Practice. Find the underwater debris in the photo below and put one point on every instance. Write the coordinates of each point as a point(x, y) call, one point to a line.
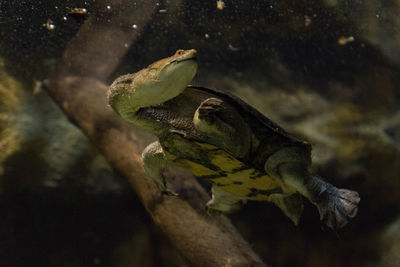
point(220, 5)
point(345, 40)
point(76, 10)
point(49, 25)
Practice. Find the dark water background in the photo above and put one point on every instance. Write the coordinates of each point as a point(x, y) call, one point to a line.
point(327, 71)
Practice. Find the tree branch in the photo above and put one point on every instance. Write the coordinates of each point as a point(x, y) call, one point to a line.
point(205, 240)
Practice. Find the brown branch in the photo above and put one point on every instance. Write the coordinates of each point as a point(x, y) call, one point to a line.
point(205, 240)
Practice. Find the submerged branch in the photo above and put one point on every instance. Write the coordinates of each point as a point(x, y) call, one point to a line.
point(77, 87)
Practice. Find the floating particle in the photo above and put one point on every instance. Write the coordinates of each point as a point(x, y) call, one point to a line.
point(220, 5)
point(134, 26)
point(307, 21)
point(207, 35)
point(65, 18)
point(108, 7)
point(162, 11)
point(49, 25)
point(77, 10)
point(232, 48)
point(126, 45)
point(345, 40)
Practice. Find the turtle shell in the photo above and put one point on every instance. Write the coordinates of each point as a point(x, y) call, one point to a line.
point(244, 177)
point(268, 136)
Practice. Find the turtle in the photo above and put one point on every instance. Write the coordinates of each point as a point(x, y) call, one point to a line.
point(219, 137)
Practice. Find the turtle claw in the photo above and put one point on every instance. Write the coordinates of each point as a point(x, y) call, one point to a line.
point(337, 206)
point(210, 210)
point(210, 206)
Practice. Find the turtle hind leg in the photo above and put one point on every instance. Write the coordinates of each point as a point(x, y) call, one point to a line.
point(155, 163)
point(223, 201)
point(336, 206)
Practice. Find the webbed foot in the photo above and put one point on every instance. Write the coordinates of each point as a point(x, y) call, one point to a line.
point(209, 108)
point(222, 125)
point(337, 206)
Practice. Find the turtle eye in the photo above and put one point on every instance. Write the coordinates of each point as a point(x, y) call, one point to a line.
point(179, 52)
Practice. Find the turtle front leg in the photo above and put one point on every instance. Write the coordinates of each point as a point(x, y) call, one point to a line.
point(155, 163)
point(224, 201)
point(336, 206)
point(222, 126)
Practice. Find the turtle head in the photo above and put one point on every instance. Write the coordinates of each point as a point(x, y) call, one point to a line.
point(159, 82)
